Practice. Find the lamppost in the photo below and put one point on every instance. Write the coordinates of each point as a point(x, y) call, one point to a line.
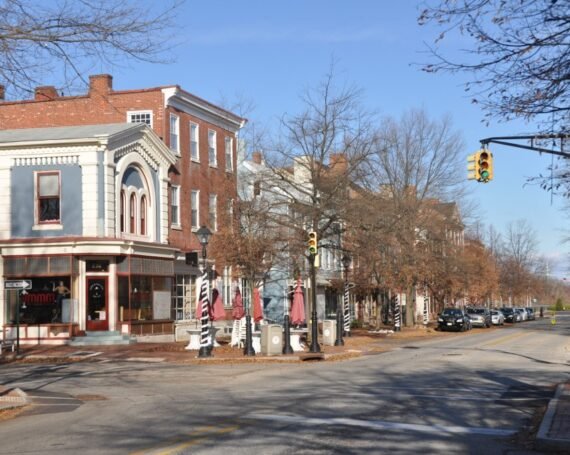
point(340, 306)
point(206, 344)
point(19, 306)
point(315, 347)
point(248, 348)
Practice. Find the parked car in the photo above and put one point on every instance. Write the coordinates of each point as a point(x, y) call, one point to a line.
point(453, 319)
point(480, 317)
point(497, 317)
point(531, 316)
point(511, 315)
point(524, 314)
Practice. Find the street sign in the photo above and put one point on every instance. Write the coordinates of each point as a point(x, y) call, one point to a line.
point(17, 284)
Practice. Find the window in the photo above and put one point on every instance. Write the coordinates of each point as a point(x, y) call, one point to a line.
point(213, 212)
point(195, 207)
point(183, 296)
point(140, 117)
point(174, 133)
point(227, 286)
point(132, 212)
point(229, 154)
point(194, 152)
point(212, 148)
point(48, 197)
point(257, 188)
point(122, 214)
point(175, 205)
point(143, 216)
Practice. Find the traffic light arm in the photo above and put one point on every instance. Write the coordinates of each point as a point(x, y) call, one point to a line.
point(503, 140)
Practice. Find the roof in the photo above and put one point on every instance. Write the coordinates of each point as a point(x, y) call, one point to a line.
point(66, 132)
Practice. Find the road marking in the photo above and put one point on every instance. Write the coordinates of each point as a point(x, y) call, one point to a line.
point(381, 425)
point(196, 437)
point(501, 340)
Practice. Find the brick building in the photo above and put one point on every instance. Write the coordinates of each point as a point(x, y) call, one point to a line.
point(202, 184)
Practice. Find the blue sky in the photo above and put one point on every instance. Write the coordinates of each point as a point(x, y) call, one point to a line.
point(269, 51)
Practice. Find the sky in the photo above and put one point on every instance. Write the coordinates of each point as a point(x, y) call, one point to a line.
point(270, 51)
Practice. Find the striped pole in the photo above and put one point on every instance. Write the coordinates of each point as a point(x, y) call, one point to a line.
point(205, 345)
point(346, 310)
point(426, 304)
point(397, 314)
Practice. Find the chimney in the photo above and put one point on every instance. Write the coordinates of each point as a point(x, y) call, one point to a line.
point(257, 157)
point(45, 93)
point(100, 84)
point(2, 92)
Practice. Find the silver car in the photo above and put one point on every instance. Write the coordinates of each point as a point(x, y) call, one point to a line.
point(497, 317)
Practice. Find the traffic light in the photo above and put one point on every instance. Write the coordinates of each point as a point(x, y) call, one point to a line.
point(473, 166)
point(312, 243)
point(485, 163)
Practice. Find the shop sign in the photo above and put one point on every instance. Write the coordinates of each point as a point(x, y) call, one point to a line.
point(17, 284)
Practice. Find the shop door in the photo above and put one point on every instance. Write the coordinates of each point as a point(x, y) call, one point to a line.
point(97, 311)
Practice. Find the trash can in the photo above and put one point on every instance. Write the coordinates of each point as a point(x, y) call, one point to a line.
point(271, 339)
point(329, 332)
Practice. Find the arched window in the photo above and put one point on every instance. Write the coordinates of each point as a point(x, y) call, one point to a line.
point(143, 216)
point(132, 210)
point(122, 213)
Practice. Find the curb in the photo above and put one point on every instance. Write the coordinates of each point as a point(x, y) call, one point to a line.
point(543, 441)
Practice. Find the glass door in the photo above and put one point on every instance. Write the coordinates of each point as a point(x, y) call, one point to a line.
point(97, 311)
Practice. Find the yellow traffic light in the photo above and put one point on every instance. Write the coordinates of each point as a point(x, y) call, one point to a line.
point(473, 166)
point(312, 243)
point(485, 163)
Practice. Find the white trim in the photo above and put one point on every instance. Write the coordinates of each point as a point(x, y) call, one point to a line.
point(177, 132)
point(230, 140)
point(177, 224)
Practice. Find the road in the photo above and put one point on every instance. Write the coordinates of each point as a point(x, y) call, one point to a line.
point(477, 392)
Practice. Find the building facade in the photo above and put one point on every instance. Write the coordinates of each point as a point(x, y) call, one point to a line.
point(84, 224)
point(201, 182)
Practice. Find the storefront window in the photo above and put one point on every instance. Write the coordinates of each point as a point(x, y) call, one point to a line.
point(47, 302)
point(184, 297)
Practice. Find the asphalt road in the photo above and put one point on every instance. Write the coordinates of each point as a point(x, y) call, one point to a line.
point(478, 392)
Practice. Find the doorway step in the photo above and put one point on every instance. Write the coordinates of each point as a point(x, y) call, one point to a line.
point(102, 338)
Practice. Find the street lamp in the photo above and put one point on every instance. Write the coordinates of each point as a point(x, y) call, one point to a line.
point(19, 305)
point(206, 346)
point(339, 306)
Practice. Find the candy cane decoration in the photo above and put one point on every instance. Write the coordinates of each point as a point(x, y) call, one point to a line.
point(346, 309)
point(426, 303)
point(397, 314)
point(205, 318)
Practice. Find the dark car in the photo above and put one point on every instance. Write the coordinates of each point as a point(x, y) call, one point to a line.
point(453, 319)
point(480, 317)
point(511, 315)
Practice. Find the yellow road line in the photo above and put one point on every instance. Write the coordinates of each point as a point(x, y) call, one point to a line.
point(196, 437)
point(505, 338)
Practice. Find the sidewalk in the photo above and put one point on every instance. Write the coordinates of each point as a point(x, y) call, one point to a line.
point(362, 342)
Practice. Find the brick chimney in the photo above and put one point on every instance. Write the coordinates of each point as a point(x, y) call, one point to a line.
point(257, 157)
point(45, 93)
point(100, 84)
point(2, 92)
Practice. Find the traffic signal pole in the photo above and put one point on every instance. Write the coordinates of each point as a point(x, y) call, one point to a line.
point(314, 348)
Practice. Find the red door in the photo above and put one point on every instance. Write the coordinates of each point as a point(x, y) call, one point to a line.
point(97, 311)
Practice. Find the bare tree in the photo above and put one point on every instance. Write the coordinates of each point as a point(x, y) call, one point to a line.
point(69, 36)
point(416, 166)
point(519, 57)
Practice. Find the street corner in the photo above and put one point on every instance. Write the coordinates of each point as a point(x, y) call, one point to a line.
point(554, 431)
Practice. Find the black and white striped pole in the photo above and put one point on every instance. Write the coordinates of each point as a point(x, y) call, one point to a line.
point(206, 344)
point(397, 314)
point(346, 300)
point(339, 310)
point(426, 304)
